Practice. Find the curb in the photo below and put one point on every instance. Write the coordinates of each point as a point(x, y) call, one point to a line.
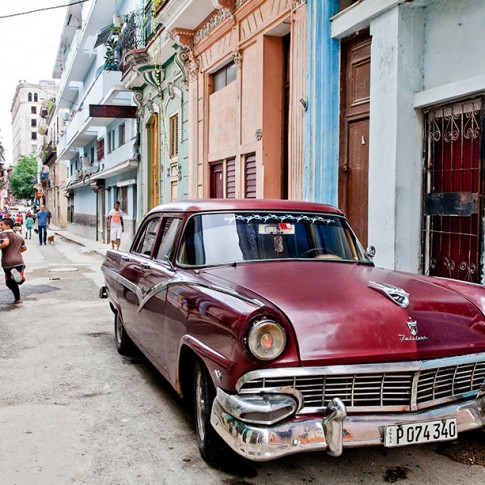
point(61, 233)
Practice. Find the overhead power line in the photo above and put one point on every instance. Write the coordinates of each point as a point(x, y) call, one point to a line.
point(42, 9)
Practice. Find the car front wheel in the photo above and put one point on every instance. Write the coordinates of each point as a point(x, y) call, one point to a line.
point(212, 448)
point(123, 342)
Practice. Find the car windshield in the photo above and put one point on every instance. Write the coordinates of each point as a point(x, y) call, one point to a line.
point(222, 238)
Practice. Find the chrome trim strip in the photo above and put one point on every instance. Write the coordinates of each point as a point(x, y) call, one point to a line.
point(111, 273)
point(158, 288)
point(143, 300)
point(235, 294)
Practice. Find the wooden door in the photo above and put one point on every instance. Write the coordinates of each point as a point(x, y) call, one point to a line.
point(354, 133)
point(216, 181)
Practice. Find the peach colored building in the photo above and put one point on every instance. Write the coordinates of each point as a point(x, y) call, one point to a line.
point(245, 68)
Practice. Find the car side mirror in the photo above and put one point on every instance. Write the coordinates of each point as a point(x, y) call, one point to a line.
point(371, 251)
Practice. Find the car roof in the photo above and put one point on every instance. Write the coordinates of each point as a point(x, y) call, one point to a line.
point(216, 205)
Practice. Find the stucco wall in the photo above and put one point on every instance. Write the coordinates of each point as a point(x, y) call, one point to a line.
point(395, 139)
point(84, 213)
point(223, 122)
point(251, 92)
point(454, 41)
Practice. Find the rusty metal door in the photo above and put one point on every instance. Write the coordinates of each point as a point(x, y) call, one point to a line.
point(453, 188)
point(354, 128)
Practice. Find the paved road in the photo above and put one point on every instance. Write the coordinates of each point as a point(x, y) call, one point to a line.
point(73, 411)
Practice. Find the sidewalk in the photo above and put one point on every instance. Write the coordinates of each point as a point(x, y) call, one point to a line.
point(89, 244)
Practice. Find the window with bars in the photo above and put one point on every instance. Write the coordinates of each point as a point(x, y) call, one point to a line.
point(174, 135)
point(453, 184)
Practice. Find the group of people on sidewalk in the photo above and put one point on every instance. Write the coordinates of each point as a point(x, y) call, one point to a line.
point(13, 245)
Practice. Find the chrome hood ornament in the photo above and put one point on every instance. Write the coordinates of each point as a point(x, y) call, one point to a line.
point(397, 295)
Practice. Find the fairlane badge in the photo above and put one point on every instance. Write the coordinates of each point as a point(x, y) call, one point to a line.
point(413, 330)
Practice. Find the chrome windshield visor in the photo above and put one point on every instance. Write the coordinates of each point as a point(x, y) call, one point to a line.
point(265, 409)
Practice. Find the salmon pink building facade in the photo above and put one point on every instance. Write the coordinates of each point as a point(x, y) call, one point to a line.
point(244, 53)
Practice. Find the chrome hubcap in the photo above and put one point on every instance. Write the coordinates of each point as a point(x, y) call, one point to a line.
point(119, 330)
point(200, 405)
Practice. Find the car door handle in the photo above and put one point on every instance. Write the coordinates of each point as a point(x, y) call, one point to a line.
point(125, 258)
point(145, 265)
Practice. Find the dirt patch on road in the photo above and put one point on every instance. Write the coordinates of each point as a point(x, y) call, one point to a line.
point(470, 449)
point(395, 473)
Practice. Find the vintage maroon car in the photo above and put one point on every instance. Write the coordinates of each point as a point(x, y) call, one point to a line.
point(274, 321)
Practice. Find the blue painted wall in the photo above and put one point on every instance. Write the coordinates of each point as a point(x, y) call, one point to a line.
point(322, 122)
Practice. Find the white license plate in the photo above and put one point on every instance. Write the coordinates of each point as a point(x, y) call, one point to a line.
point(424, 432)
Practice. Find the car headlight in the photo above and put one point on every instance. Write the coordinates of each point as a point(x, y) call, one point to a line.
point(266, 340)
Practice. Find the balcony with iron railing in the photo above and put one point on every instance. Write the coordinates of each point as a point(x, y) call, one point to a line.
point(49, 152)
point(136, 33)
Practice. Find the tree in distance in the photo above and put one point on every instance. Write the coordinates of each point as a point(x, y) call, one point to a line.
point(24, 177)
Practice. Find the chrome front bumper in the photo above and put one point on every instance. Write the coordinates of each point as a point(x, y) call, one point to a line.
point(333, 431)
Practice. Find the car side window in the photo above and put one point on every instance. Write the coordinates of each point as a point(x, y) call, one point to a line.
point(148, 237)
point(169, 235)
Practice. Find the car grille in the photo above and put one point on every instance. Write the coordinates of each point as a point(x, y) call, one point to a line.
point(377, 391)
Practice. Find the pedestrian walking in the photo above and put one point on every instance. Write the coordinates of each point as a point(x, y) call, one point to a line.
point(43, 221)
point(12, 246)
point(29, 224)
point(116, 225)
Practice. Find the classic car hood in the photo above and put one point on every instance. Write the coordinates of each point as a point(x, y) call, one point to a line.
point(338, 318)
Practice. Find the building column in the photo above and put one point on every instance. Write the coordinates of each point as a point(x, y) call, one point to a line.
point(395, 151)
point(322, 104)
